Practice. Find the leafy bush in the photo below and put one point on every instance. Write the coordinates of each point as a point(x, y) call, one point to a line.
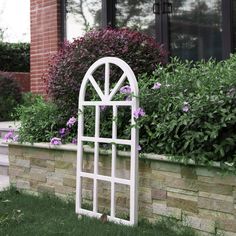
point(39, 121)
point(28, 99)
point(68, 67)
point(10, 97)
point(191, 110)
point(15, 57)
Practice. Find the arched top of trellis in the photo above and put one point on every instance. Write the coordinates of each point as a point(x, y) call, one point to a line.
point(107, 95)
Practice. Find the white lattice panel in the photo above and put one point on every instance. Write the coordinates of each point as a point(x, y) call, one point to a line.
point(106, 100)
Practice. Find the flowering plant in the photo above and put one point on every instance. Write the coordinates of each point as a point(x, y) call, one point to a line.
point(66, 134)
point(11, 136)
point(190, 110)
point(55, 141)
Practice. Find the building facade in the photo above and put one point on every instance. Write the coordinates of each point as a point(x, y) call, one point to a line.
point(189, 29)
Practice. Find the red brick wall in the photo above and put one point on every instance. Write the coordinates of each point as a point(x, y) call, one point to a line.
point(45, 38)
point(23, 79)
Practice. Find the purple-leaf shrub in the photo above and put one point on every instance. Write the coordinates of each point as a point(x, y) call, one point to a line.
point(68, 67)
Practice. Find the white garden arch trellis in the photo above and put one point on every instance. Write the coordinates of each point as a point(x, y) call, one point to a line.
point(106, 100)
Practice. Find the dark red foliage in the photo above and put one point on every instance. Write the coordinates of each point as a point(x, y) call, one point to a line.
point(68, 67)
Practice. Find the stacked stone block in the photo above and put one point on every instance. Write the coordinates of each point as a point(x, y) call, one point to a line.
point(204, 199)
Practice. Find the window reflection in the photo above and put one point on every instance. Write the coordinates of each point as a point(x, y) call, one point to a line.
point(195, 29)
point(136, 14)
point(82, 16)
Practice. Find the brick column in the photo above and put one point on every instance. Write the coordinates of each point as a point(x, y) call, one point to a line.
point(45, 26)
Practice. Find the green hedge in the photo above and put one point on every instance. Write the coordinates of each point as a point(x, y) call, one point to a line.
point(15, 57)
point(193, 113)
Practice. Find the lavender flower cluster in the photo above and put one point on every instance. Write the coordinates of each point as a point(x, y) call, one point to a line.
point(10, 136)
point(63, 132)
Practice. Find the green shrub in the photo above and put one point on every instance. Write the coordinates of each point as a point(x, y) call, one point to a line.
point(10, 97)
point(28, 99)
point(193, 113)
point(15, 57)
point(190, 111)
point(39, 121)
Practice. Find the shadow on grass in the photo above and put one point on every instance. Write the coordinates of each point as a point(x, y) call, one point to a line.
point(23, 214)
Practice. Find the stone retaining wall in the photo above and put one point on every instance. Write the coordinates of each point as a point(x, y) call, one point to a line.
point(201, 198)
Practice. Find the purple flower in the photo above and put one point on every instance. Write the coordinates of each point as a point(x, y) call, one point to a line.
point(185, 107)
point(62, 131)
point(71, 122)
point(8, 136)
point(15, 138)
point(74, 141)
point(139, 113)
point(125, 90)
point(156, 85)
point(128, 98)
point(103, 108)
point(139, 148)
point(55, 141)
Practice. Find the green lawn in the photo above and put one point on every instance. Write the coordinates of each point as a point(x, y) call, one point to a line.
point(22, 214)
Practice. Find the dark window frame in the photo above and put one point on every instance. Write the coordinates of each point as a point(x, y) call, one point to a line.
point(63, 19)
point(227, 25)
point(108, 13)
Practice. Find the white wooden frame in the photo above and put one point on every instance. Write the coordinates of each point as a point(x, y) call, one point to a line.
point(106, 100)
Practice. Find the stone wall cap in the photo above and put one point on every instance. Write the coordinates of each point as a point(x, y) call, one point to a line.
point(9, 125)
point(89, 149)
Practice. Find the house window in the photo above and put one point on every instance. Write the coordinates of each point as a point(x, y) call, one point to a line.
point(15, 21)
point(136, 14)
point(196, 29)
point(82, 16)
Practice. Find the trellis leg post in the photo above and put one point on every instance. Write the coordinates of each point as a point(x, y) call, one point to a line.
point(134, 165)
point(79, 157)
point(113, 166)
